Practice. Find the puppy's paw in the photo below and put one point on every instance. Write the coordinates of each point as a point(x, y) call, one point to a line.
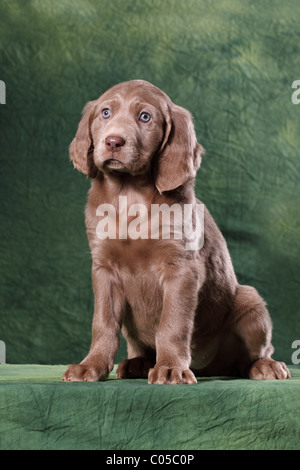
point(268, 369)
point(137, 367)
point(84, 372)
point(170, 375)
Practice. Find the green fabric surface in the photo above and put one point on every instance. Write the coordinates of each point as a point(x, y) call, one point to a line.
point(231, 63)
point(38, 411)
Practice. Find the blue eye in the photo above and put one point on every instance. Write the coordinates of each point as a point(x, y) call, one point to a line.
point(144, 117)
point(106, 113)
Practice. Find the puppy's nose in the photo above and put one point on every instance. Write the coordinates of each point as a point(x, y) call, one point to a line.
point(114, 143)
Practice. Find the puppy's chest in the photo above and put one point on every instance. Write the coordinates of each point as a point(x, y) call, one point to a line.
point(143, 294)
point(139, 273)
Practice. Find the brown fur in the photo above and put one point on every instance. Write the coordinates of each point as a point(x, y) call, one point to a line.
point(181, 311)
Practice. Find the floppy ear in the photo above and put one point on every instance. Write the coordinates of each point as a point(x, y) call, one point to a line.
point(180, 155)
point(82, 148)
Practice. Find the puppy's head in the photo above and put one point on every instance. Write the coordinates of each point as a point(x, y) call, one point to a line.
point(135, 128)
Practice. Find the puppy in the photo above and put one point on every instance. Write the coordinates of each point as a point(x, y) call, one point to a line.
point(180, 308)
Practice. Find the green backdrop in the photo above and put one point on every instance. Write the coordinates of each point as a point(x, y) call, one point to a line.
point(231, 63)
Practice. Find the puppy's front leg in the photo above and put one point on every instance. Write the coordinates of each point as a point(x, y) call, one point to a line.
point(173, 336)
point(105, 332)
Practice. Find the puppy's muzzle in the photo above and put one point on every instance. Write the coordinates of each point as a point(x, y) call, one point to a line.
point(114, 143)
point(114, 164)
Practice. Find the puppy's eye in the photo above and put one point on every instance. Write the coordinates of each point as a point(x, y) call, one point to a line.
point(144, 117)
point(105, 113)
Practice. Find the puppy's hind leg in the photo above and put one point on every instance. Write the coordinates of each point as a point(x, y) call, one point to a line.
point(135, 368)
point(140, 360)
point(252, 324)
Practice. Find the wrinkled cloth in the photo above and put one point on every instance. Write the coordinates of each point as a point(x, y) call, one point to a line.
point(38, 411)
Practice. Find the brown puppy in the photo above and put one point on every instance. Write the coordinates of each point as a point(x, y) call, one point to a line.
point(180, 309)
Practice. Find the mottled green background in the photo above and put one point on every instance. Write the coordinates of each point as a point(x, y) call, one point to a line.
point(231, 63)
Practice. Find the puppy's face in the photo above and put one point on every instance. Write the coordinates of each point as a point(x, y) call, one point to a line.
point(135, 128)
point(127, 130)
